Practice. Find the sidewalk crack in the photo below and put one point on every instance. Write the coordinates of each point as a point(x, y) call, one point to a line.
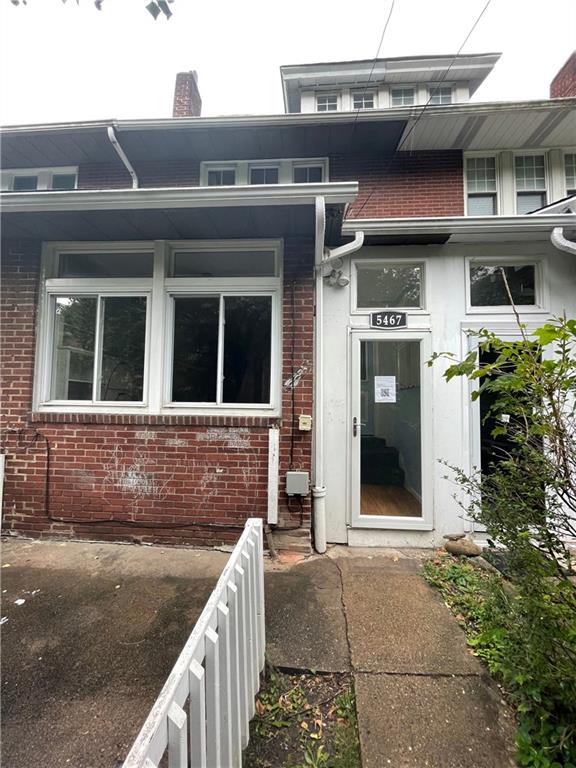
point(343, 603)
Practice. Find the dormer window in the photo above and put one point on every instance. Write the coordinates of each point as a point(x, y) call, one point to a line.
point(221, 177)
point(440, 95)
point(39, 179)
point(402, 97)
point(264, 175)
point(327, 102)
point(364, 100)
point(570, 169)
point(308, 174)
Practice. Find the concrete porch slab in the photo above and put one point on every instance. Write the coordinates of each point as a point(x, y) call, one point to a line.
point(409, 721)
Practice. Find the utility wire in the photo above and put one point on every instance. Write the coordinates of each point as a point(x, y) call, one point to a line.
point(425, 107)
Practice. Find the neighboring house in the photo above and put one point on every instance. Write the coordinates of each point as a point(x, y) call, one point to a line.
point(196, 309)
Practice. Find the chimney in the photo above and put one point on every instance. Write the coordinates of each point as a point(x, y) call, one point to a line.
point(564, 84)
point(187, 101)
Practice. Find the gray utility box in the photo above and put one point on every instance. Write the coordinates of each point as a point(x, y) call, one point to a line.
point(297, 483)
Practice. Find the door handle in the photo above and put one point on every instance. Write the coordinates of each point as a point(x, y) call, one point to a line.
point(356, 424)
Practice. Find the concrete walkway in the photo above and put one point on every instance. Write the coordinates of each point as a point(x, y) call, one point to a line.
point(423, 700)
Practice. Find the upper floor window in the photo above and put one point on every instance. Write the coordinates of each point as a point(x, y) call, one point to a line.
point(39, 179)
point(221, 177)
point(273, 171)
point(212, 341)
point(364, 100)
point(264, 175)
point(308, 174)
point(441, 94)
point(402, 97)
point(530, 176)
point(327, 102)
point(570, 170)
point(481, 186)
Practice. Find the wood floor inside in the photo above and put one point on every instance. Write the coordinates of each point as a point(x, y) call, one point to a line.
point(388, 501)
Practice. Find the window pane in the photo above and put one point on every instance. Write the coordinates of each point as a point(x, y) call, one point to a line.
point(327, 103)
point(488, 289)
point(527, 202)
point(530, 173)
point(441, 95)
point(308, 174)
point(105, 265)
point(481, 205)
point(363, 100)
point(481, 174)
point(63, 181)
point(225, 177)
point(123, 341)
point(247, 349)
point(224, 264)
point(389, 286)
point(264, 176)
point(402, 97)
point(195, 349)
point(25, 183)
point(570, 164)
point(73, 356)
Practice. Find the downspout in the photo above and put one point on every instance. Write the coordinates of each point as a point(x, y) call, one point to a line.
point(122, 155)
point(562, 243)
point(322, 256)
point(319, 489)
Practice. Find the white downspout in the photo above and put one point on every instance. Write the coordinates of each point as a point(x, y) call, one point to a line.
point(322, 256)
point(319, 489)
point(562, 243)
point(122, 155)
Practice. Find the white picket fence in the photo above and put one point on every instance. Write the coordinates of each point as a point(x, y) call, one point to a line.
point(202, 714)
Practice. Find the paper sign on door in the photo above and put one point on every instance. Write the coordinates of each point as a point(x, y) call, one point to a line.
point(384, 389)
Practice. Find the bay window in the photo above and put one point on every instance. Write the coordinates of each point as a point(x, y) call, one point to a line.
point(160, 328)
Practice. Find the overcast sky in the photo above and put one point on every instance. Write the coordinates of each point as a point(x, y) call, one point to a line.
point(68, 63)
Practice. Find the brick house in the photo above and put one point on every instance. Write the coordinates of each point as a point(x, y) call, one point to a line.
point(205, 319)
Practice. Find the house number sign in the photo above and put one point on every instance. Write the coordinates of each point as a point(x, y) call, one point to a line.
point(387, 320)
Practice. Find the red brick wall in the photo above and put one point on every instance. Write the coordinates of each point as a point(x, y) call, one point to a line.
point(174, 173)
point(156, 470)
point(564, 84)
point(410, 184)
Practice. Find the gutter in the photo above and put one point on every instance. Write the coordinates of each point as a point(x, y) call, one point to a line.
point(335, 193)
point(322, 256)
point(122, 155)
point(458, 224)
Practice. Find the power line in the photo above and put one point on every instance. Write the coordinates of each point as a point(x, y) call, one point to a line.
point(424, 108)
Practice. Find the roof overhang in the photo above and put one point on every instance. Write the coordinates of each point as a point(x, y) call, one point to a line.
point(174, 213)
point(437, 231)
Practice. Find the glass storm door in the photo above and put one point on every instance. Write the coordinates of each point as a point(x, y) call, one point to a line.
point(387, 432)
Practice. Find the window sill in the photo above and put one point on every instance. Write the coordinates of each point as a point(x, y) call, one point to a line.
point(145, 419)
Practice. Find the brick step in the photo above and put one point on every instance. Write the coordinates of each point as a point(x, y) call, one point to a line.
point(297, 540)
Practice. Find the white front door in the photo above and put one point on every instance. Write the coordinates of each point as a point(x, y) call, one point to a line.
point(390, 430)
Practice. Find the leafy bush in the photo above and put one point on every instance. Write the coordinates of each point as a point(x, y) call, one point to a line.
point(527, 502)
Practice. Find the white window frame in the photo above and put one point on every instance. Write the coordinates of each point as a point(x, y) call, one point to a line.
point(532, 153)
point(159, 291)
point(467, 193)
point(264, 165)
point(243, 167)
point(434, 88)
point(388, 262)
point(221, 167)
point(569, 151)
point(542, 293)
point(401, 87)
point(44, 176)
point(363, 93)
point(327, 94)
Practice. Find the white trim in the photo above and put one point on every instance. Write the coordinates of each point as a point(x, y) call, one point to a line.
point(426, 522)
point(178, 197)
point(158, 291)
point(448, 225)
